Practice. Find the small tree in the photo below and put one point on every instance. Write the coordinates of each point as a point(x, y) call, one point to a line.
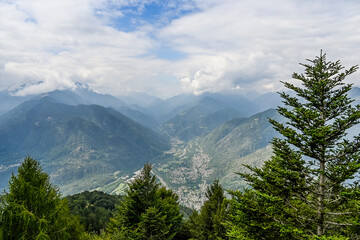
point(33, 208)
point(306, 188)
point(208, 223)
point(148, 210)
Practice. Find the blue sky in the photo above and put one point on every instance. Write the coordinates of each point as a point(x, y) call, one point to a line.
point(171, 47)
point(158, 13)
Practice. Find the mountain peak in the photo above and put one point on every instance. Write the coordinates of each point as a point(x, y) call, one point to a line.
point(18, 90)
point(83, 86)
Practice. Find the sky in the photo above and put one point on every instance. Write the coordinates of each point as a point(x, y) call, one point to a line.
point(169, 47)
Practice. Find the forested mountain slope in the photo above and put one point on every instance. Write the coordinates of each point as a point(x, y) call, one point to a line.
point(190, 166)
point(76, 143)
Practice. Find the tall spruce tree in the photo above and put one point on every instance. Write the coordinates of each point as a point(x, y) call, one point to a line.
point(306, 188)
point(33, 209)
point(208, 223)
point(148, 211)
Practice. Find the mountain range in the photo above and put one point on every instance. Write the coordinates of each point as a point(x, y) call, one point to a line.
point(75, 143)
point(91, 141)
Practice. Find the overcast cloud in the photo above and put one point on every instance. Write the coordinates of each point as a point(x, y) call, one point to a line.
point(169, 47)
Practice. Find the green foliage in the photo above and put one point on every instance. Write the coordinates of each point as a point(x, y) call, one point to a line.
point(94, 236)
point(330, 238)
point(33, 209)
point(305, 189)
point(185, 211)
point(148, 211)
point(208, 223)
point(94, 209)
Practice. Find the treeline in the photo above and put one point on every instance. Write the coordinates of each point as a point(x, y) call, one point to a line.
point(33, 209)
point(306, 190)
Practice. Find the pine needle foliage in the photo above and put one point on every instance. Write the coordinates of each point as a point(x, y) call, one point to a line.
point(307, 189)
point(208, 223)
point(33, 208)
point(148, 210)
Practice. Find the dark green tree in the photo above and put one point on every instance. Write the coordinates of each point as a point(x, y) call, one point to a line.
point(263, 212)
point(208, 223)
point(94, 208)
point(33, 209)
point(306, 188)
point(148, 211)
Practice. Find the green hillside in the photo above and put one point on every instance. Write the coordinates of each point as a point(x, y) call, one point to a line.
point(82, 147)
point(190, 167)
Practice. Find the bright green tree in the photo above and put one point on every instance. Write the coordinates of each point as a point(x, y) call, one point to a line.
point(306, 188)
point(33, 209)
point(208, 223)
point(148, 211)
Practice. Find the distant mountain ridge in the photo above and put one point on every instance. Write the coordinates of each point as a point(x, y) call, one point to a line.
point(87, 141)
point(199, 119)
point(76, 142)
point(82, 94)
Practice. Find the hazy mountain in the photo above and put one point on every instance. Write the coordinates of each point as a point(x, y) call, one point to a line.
point(142, 99)
point(140, 117)
point(272, 99)
point(193, 116)
point(12, 97)
point(200, 119)
point(267, 101)
point(236, 101)
point(68, 97)
point(82, 94)
point(91, 97)
point(169, 108)
point(9, 101)
point(76, 143)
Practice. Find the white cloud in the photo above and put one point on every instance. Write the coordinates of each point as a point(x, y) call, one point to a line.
point(54, 41)
point(266, 40)
point(230, 44)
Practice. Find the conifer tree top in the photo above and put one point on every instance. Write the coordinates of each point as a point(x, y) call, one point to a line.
point(305, 188)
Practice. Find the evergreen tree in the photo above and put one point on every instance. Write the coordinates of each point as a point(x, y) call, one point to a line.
point(305, 189)
point(33, 209)
point(94, 209)
point(208, 224)
point(148, 211)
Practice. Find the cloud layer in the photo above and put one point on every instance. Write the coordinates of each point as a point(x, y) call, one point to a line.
point(169, 47)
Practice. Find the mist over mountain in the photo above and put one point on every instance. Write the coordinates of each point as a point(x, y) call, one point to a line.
point(8, 101)
point(82, 94)
point(141, 99)
point(207, 114)
point(144, 119)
